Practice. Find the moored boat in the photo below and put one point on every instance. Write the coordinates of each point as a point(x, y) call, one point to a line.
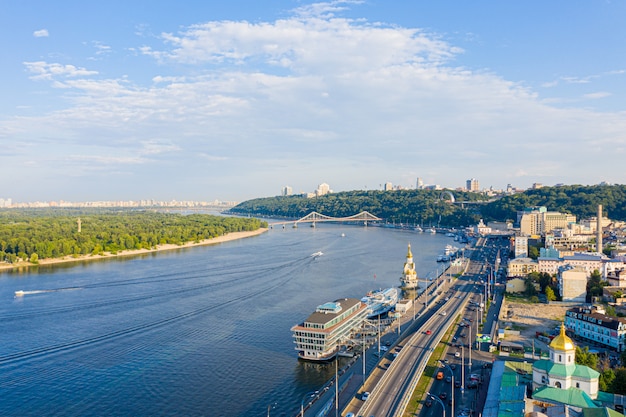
point(380, 302)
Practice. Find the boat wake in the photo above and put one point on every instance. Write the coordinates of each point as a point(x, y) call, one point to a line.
point(22, 293)
point(316, 254)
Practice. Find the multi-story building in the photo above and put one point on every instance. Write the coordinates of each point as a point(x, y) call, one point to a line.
point(521, 246)
point(286, 190)
point(420, 184)
point(591, 324)
point(332, 324)
point(520, 267)
point(539, 221)
point(388, 186)
point(586, 261)
point(472, 185)
point(572, 283)
point(322, 189)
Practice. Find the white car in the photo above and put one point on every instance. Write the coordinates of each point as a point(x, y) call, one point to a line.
point(365, 395)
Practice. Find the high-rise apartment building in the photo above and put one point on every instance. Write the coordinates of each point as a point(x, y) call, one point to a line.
point(388, 186)
point(286, 190)
point(420, 184)
point(472, 185)
point(322, 189)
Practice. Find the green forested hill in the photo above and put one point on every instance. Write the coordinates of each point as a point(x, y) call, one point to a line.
point(53, 234)
point(424, 207)
point(576, 199)
point(429, 207)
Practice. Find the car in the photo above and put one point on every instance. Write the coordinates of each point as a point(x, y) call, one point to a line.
point(457, 355)
point(428, 332)
point(457, 384)
point(428, 402)
point(453, 367)
point(443, 395)
point(350, 415)
point(440, 375)
point(443, 313)
point(448, 379)
point(365, 395)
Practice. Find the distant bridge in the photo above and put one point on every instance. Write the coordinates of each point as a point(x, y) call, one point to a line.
point(315, 217)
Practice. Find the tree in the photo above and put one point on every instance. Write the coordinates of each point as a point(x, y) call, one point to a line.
point(618, 386)
point(606, 380)
point(34, 258)
point(530, 290)
point(550, 294)
point(584, 357)
point(533, 252)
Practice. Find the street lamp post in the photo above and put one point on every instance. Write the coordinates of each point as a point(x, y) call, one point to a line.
point(439, 401)
point(462, 368)
point(308, 395)
point(451, 386)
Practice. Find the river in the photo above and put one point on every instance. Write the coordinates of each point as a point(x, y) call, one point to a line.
point(203, 331)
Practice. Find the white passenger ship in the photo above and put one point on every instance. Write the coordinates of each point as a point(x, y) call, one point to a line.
point(332, 324)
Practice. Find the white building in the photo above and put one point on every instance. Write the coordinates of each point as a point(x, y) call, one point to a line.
point(322, 189)
point(286, 190)
point(521, 246)
point(572, 283)
point(592, 325)
point(561, 370)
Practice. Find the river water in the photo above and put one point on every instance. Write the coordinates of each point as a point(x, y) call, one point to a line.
point(203, 331)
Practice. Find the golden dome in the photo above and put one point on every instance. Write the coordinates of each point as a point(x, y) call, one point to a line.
point(562, 341)
point(409, 254)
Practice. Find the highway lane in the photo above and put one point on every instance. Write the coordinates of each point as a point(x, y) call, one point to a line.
point(395, 387)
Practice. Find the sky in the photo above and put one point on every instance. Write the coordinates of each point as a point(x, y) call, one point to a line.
point(233, 100)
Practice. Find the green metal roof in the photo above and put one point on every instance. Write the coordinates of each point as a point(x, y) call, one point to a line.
point(566, 370)
point(570, 396)
point(601, 412)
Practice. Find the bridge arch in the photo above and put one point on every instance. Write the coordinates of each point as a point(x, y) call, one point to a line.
point(445, 194)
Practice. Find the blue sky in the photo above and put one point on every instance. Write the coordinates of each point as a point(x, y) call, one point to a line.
point(204, 100)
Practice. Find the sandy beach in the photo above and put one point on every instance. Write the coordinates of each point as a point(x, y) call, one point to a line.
point(221, 239)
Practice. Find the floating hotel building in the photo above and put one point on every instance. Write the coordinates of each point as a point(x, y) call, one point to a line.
point(332, 324)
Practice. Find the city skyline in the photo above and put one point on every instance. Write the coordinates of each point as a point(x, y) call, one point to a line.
point(107, 102)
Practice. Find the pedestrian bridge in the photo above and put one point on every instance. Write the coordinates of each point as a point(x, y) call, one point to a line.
point(315, 217)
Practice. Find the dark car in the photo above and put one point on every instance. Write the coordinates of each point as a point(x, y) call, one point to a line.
point(457, 384)
point(428, 402)
point(443, 395)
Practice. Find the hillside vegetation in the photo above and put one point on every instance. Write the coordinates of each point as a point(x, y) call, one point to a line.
point(423, 207)
point(433, 208)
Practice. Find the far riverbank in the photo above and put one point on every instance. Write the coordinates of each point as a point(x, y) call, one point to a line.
point(159, 248)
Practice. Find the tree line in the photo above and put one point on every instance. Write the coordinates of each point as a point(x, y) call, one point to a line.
point(30, 236)
point(416, 207)
point(433, 207)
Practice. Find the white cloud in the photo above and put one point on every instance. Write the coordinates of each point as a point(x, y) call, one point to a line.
point(42, 33)
point(305, 99)
point(45, 71)
point(597, 95)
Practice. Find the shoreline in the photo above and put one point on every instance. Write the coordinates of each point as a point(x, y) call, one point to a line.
point(160, 248)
